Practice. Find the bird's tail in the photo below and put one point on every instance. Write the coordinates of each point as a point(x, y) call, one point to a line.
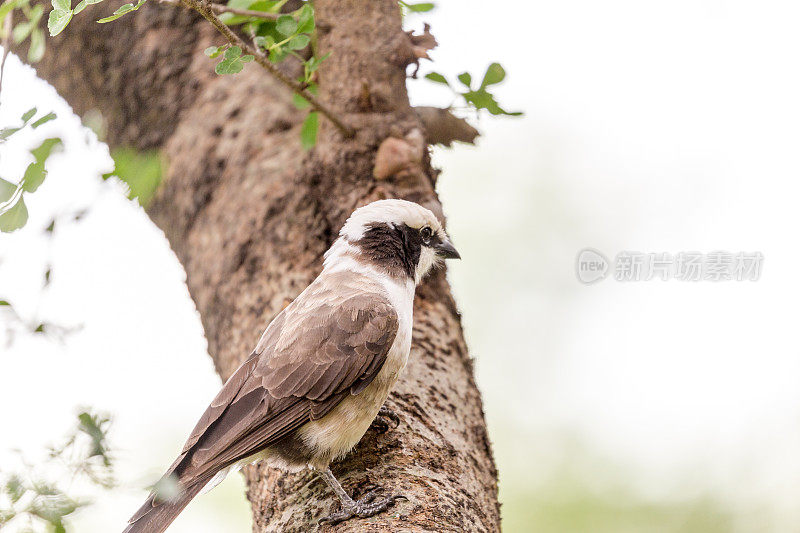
point(156, 516)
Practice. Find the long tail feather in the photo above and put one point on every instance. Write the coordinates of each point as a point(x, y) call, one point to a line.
point(155, 517)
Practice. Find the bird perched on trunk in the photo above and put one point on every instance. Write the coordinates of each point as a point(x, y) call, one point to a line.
point(323, 368)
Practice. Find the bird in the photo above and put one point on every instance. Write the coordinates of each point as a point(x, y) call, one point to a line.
point(322, 369)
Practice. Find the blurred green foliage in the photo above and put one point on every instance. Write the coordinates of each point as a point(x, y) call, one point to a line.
point(141, 172)
point(31, 501)
point(13, 211)
point(477, 97)
point(568, 505)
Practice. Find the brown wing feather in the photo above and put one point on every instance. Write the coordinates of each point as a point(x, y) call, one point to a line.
point(331, 341)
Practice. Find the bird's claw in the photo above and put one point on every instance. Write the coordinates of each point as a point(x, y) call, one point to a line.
point(382, 421)
point(365, 507)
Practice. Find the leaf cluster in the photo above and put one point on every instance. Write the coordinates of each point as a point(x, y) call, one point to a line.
point(478, 97)
point(63, 11)
point(26, 28)
point(277, 35)
point(13, 211)
point(287, 35)
point(31, 498)
point(232, 59)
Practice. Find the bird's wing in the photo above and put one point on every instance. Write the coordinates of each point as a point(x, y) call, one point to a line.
point(330, 342)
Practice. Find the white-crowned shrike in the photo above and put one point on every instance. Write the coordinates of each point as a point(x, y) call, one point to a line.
point(323, 368)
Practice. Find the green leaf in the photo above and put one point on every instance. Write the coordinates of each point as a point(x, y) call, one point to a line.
point(306, 19)
point(438, 78)
point(4, 303)
point(7, 190)
point(140, 171)
point(419, 8)
point(127, 8)
point(61, 5)
point(51, 227)
point(264, 41)
point(58, 20)
point(36, 172)
point(494, 74)
point(308, 133)
point(253, 5)
point(299, 42)
point(465, 78)
point(34, 176)
point(21, 31)
point(5, 133)
point(302, 103)
point(35, 14)
point(43, 151)
point(15, 217)
point(312, 64)
point(286, 25)
point(47, 118)
point(214, 51)
point(36, 49)
point(7, 7)
point(483, 100)
point(83, 4)
point(232, 62)
point(277, 54)
point(27, 115)
point(315, 62)
point(232, 19)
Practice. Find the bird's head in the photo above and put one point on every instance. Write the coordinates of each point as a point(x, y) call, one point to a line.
point(400, 237)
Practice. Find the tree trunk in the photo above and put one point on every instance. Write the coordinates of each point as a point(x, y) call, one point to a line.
point(249, 214)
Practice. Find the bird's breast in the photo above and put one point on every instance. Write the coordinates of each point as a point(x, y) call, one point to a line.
point(335, 434)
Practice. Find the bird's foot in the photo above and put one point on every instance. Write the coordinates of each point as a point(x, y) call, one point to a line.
point(364, 507)
point(386, 418)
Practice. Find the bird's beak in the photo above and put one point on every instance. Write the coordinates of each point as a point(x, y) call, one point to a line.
point(446, 250)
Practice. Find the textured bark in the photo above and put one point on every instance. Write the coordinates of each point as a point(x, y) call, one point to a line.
point(249, 214)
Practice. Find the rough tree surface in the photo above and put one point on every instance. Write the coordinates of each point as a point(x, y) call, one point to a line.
point(249, 214)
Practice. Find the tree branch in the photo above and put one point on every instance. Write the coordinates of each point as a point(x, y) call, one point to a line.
point(207, 11)
point(442, 127)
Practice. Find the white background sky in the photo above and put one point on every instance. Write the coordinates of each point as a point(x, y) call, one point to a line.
point(649, 126)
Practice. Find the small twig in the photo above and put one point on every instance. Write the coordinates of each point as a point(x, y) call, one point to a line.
point(207, 11)
point(6, 44)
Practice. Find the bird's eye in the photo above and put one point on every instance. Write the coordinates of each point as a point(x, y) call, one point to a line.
point(426, 233)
